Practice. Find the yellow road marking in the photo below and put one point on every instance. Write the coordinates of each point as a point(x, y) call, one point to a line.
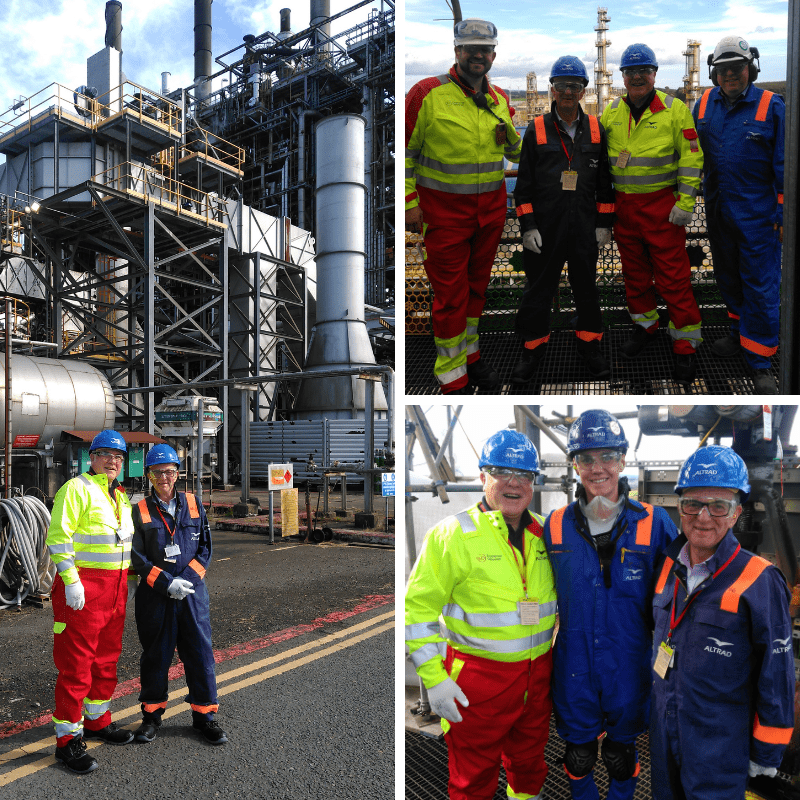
point(134, 711)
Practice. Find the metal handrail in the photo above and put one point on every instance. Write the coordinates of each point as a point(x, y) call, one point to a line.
point(220, 149)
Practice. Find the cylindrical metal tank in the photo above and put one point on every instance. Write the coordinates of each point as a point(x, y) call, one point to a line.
point(340, 334)
point(114, 24)
point(49, 396)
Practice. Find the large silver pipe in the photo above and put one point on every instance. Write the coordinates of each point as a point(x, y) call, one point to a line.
point(202, 45)
point(114, 24)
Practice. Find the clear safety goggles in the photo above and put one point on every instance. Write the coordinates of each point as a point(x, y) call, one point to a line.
point(605, 459)
point(109, 454)
point(716, 508)
point(477, 28)
point(632, 72)
point(507, 473)
point(560, 86)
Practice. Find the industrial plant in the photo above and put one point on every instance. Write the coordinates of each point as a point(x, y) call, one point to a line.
point(178, 262)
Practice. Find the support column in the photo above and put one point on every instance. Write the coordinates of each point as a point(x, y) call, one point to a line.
point(148, 326)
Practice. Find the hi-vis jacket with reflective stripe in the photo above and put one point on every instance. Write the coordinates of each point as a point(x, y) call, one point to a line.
point(454, 165)
point(83, 527)
point(663, 145)
point(467, 573)
point(604, 604)
point(730, 692)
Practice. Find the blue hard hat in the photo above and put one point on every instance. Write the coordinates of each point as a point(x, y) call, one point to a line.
point(108, 438)
point(509, 449)
point(638, 55)
point(569, 67)
point(714, 466)
point(594, 430)
point(161, 454)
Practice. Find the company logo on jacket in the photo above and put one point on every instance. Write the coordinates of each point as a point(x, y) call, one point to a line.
point(784, 648)
point(488, 557)
point(718, 649)
point(632, 574)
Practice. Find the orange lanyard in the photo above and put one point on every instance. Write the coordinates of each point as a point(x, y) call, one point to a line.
point(563, 146)
point(166, 524)
point(524, 570)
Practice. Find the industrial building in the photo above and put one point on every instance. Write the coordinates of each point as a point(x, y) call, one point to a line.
point(183, 260)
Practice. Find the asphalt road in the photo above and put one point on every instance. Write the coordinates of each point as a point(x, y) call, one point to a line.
point(305, 669)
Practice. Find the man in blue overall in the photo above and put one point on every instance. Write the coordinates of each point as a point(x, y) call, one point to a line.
point(603, 549)
point(723, 667)
point(171, 551)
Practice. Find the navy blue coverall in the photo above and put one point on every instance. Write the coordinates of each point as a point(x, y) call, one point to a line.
point(729, 697)
point(164, 623)
point(601, 666)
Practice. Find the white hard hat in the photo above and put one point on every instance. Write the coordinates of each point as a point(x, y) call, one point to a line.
point(731, 48)
point(474, 31)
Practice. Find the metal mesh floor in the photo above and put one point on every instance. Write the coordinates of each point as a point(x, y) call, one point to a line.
point(562, 371)
point(426, 769)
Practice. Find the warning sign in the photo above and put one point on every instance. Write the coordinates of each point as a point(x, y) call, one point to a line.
point(280, 477)
point(26, 440)
point(289, 521)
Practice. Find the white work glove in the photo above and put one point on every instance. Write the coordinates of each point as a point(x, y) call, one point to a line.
point(603, 236)
point(179, 588)
point(132, 586)
point(532, 240)
point(76, 598)
point(679, 217)
point(756, 769)
point(443, 698)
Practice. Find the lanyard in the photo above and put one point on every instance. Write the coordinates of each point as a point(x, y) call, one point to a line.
point(673, 623)
point(524, 569)
point(166, 524)
point(563, 146)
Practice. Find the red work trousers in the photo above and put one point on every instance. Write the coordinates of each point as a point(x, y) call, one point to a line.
point(654, 258)
point(458, 264)
point(508, 719)
point(87, 649)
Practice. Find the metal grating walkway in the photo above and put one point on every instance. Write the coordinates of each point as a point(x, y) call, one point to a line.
point(562, 372)
point(426, 769)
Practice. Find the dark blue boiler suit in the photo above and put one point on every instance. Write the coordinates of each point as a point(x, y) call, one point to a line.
point(164, 623)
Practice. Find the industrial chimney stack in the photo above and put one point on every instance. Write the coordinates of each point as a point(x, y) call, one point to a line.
point(114, 24)
point(202, 46)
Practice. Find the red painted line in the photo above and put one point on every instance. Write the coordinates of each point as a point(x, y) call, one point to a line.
point(369, 602)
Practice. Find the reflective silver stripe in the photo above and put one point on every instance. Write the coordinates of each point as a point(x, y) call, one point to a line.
point(67, 728)
point(95, 710)
point(503, 645)
point(460, 169)
point(684, 188)
point(466, 522)
point(689, 172)
point(427, 653)
point(644, 180)
point(459, 188)
point(412, 153)
point(503, 620)
point(105, 558)
point(410, 172)
point(83, 478)
point(421, 630)
point(472, 330)
point(472, 347)
point(99, 538)
point(615, 104)
point(642, 161)
point(63, 566)
point(678, 334)
point(452, 352)
point(454, 374)
point(66, 547)
point(668, 101)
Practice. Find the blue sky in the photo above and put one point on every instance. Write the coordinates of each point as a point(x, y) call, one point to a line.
point(533, 34)
point(46, 42)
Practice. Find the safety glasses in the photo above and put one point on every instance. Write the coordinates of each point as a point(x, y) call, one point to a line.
point(163, 473)
point(632, 72)
point(107, 454)
point(507, 473)
point(606, 459)
point(716, 508)
point(568, 87)
point(474, 49)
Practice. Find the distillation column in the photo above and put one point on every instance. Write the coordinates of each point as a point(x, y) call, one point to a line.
point(602, 75)
point(691, 80)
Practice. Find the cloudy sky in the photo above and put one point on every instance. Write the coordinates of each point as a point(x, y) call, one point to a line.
point(533, 34)
point(47, 42)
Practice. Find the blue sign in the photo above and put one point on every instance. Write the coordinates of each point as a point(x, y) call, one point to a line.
point(387, 484)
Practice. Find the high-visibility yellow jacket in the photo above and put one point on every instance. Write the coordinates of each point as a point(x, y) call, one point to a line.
point(665, 151)
point(467, 572)
point(454, 165)
point(84, 524)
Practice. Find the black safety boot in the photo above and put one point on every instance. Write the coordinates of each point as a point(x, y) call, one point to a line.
point(111, 734)
point(75, 758)
point(481, 374)
point(209, 729)
point(685, 368)
point(527, 365)
point(638, 341)
point(763, 382)
point(594, 359)
point(726, 347)
point(148, 730)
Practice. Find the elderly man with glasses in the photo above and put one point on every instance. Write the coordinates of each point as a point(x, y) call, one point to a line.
point(89, 541)
point(723, 666)
point(171, 552)
point(603, 549)
point(487, 668)
point(656, 163)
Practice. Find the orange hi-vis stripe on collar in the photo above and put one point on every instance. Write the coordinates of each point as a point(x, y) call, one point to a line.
point(556, 518)
point(594, 128)
point(662, 578)
point(191, 503)
point(754, 567)
point(771, 735)
point(144, 511)
point(763, 106)
point(644, 527)
point(541, 133)
point(703, 104)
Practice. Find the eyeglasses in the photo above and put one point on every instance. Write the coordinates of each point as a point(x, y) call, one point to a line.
point(506, 474)
point(588, 460)
point(631, 72)
point(474, 49)
point(109, 455)
point(163, 473)
point(568, 87)
point(735, 68)
point(716, 508)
